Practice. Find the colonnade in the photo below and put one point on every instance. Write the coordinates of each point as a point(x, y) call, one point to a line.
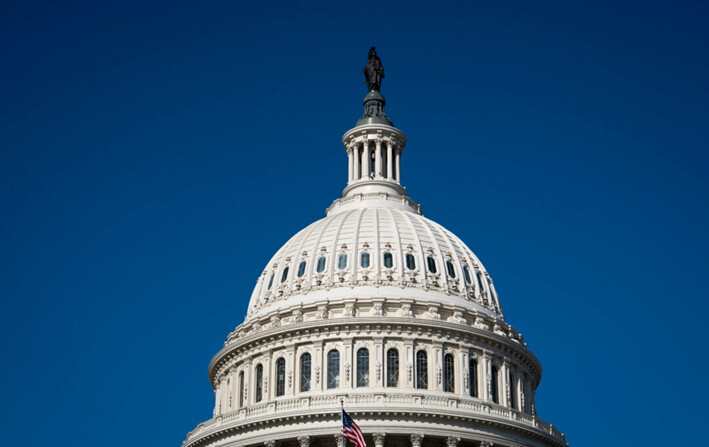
point(415, 440)
point(377, 158)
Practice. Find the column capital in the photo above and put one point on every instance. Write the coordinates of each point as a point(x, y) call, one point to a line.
point(304, 441)
point(485, 444)
point(269, 443)
point(452, 441)
point(338, 439)
point(379, 439)
point(416, 439)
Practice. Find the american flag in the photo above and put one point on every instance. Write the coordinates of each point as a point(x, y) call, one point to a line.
point(351, 431)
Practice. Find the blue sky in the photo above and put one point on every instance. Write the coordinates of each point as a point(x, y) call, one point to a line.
point(154, 155)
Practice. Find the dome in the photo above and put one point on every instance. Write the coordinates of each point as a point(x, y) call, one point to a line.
point(374, 251)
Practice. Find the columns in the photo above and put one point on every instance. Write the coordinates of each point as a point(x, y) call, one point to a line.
point(416, 440)
point(356, 159)
point(398, 165)
point(379, 439)
point(366, 160)
point(350, 166)
point(378, 159)
point(390, 160)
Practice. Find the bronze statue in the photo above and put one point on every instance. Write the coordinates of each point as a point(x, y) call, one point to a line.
point(374, 71)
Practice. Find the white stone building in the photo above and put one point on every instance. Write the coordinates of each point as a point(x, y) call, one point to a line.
point(384, 309)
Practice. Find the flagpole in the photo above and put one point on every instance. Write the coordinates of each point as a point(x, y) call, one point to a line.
point(342, 416)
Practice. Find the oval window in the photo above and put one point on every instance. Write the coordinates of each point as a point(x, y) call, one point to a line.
point(431, 264)
point(364, 260)
point(451, 270)
point(284, 276)
point(321, 264)
point(301, 269)
point(410, 261)
point(388, 260)
point(342, 261)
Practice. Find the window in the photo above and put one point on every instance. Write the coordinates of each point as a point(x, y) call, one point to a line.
point(241, 389)
point(305, 372)
point(466, 274)
point(321, 264)
point(392, 367)
point(284, 276)
point(259, 383)
point(451, 269)
point(473, 374)
point(363, 367)
point(513, 391)
point(270, 281)
point(342, 261)
point(480, 280)
point(410, 261)
point(301, 269)
point(364, 260)
point(388, 260)
point(333, 369)
point(448, 373)
point(493, 385)
point(431, 264)
point(280, 377)
point(421, 370)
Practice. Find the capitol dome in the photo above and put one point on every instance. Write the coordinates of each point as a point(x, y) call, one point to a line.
point(377, 308)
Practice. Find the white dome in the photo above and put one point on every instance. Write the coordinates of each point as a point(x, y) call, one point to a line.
point(324, 261)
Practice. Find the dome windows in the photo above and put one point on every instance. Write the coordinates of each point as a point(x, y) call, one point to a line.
point(448, 373)
point(451, 269)
point(493, 385)
point(388, 260)
point(305, 368)
point(321, 264)
point(421, 370)
point(280, 377)
point(410, 261)
point(301, 269)
point(270, 281)
point(284, 275)
point(259, 383)
point(364, 260)
point(431, 263)
point(466, 274)
point(392, 367)
point(473, 375)
point(362, 367)
point(342, 261)
point(333, 369)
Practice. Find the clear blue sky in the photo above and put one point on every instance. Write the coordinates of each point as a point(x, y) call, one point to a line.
point(154, 155)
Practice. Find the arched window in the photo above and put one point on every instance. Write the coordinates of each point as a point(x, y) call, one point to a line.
point(431, 264)
point(362, 367)
point(305, 372)
point(392, 367)
point(364, 260)
point(342, 261)
point(473, 374)
point(466, 274)
point(421, 370)
point(241, 389)
point(270, 281)
point(448, 373)
point(284, 276)
point(410, 261)
point(259, 383)
point(493, 385)
point(280, 377)
point(451, 269)
point(513, 390)
point(388, 260)
point(301, 269)
point(333, 369)
point(321, 264)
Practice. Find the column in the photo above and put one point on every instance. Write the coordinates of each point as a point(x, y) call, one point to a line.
point(390, 160)
point(217, 401)
point(485, 444)
point(366, 159)
point(304, 441)
point(485, 382)
point(379, 439)
point(378, 159)
point(398, 166)
point(338, 439)
point(416, 440)
point(520, 391)
point(452, 441)
point(356, 159)
point(269, 443)
point(224, 393)
point(350, 166)
point(234, 392)
point(290, 371)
